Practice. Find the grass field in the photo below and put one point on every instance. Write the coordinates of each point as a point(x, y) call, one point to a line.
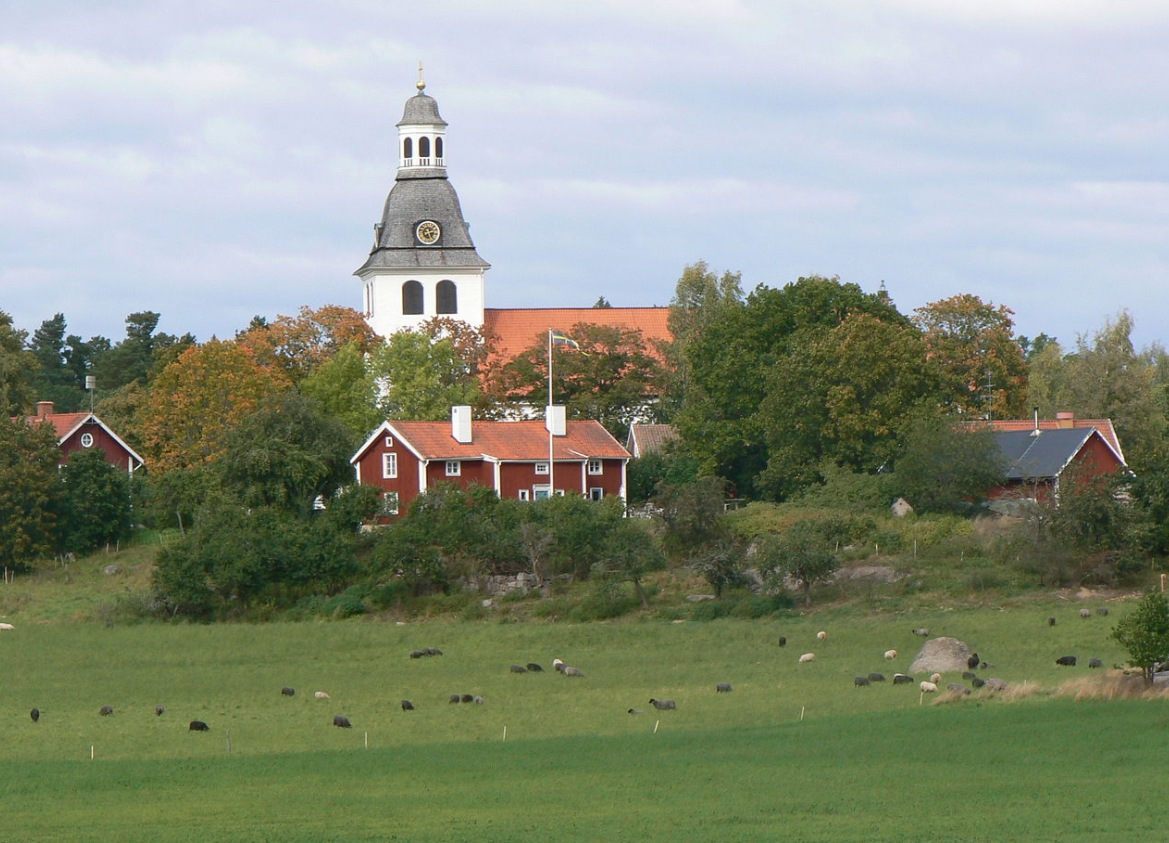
point(866, 763)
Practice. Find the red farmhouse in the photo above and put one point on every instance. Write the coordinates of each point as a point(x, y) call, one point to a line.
point(80, 431)
point(405, 458)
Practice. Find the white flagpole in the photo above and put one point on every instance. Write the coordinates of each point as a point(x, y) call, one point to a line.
point(548, 422)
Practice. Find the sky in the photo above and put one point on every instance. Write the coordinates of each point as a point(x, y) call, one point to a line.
point(217, 160)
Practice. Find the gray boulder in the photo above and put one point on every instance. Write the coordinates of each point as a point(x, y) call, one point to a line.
point(939, 655)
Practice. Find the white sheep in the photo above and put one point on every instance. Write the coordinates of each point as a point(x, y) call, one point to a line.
point(890, 654)
point(807, 657)
point(321, 695)
point(928, 687)
point(6, 627)
point(936, 678)
point(821, 636)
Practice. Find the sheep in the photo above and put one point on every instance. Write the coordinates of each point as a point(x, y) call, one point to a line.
point(783, 640)
point(534, 668)
point(6, 627)
point(1066, 661)
point(723, 688)
point(1085, 613)
point(977, 683)
point(341, 721)
point(407, 705)
point(635, 711)
point(572, 671)
point(821, 636)
point(1102, 611)
point(972, 662)
point(454, 698)
point(106, 710)
point(860, 681)
point(159, 710)
point(559, 668)
point(518, 668)
point(287, 692)
point(1095, 663)
point(936, 678)
point(1050, 621)
point(966, 674)
point(890, 654)
point(994, 684)
point(928, 687)
point(432, 651)
point(957, 688)
point(923, 631)
point(35, 714)
point(321, 695)
point(467, 698)
point(876, 677)
point(807, 657)
point(557, 664)
point(416, 654)
point(902, 679)
point(478, 700)
point(198, 726)
point(663, 705)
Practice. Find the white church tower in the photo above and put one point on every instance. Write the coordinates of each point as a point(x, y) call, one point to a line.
point(423, 262)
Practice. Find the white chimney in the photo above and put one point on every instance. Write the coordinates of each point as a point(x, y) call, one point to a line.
point(554, 420)
point(461, 423)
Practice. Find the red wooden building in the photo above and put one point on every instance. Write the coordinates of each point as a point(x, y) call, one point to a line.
point(405, 458)
point(81, 431)
point(1041, 460)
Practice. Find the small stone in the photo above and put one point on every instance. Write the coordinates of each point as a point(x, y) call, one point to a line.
point(109, 570)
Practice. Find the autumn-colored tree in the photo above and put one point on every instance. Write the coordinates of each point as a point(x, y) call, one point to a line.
point(611, 377)
point(972, 344)
point(198, 398)
point(298, 345)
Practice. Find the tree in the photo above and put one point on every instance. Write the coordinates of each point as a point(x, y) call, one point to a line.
point(721, 421)
point(198, 398)
point(944, 464)
point(973, 346)
point(692, 514)
point(611, 377)
point(841, 394)
point(629, 553)
point(422, 377)
point(54, 380)
point(30, 491)
point(298, 345)
point(17, 368)
point(132, 359)
point(722, 564)
point(96, 503)
point(1145, 634)
point(802, 553)
point(345, 390)
point(285, 454)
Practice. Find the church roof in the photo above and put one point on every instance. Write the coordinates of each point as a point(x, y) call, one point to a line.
point(421, 109)
point(518, 329)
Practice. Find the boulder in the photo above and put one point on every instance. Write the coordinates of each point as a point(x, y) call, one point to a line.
point(901, 508)
point(939, 655)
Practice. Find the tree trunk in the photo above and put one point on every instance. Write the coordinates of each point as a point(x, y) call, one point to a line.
point(641, 594)
point(807, 593)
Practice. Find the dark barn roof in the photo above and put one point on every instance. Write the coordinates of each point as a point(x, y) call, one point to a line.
point(1036, 457)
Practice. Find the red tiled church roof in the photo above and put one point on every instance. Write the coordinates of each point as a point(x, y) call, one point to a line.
point(506, 440)
point(518, 329)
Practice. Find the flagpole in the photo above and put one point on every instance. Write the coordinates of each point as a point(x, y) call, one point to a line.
point(548, 422)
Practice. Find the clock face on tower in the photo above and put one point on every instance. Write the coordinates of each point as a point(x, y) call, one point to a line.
point(427, 232)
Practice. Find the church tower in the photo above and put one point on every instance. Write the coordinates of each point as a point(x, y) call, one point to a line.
point(423, 262)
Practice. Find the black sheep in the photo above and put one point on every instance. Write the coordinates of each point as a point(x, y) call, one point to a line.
point(1066, 661)
point(972, 662)
point(468, 698)
point(159, 710)
point(35, 714)
point(723, 688)
point(518, 668)
point(1095, 663)
point(198, 726)
point(876, 677)
point(407, 705)
point(1051, 621)
point(860, 681)
point(783, 640)
point(454, 698)
point(534, 668)
point(902, 679)
point(966, 674)
point(106, 710)
point(977, 683)
point(341, 721)
point(287, 692)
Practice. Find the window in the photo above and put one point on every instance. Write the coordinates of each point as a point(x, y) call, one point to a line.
point(389, 441)
point(448, 297)
point(596, 467)
point(389, 466)
point(438, 147)
point(87, 440)
point(412, 298)
point(596, 493)
point(541, 468)
point(541, 493)
point(408, 148)
point(424, 147)
point(524, 495)
point(454, 468)
point(389, 503)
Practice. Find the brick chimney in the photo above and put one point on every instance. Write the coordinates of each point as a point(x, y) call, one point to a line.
point(44, 408)
point(1065, 421)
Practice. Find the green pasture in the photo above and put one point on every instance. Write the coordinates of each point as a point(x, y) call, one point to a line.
point(868, 763)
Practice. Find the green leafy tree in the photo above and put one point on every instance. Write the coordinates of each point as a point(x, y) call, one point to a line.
point(30, 491)
point(96, 503)
point(629, 553)
point(1145, 634)
point(17, 369)
point(285, 454)
point(722, 563)
point(944, 465)
point(345, 390)
point(801, 553)
point(422, 376)
point(972, 344)
point(691, 514)
point(664, 466)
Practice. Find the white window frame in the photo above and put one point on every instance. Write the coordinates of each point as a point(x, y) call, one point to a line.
point(454, 468)
point(87, 440)
point(389, 465)
point(389, 441)
point(525, 495)
point(541, 468)
point(596, 493)
point(541, 492)
point(596, 467)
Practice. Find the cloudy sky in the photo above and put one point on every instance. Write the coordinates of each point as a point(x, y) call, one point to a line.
point(215, 160)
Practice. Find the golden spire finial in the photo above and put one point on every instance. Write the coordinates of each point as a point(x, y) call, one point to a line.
point(421, 86)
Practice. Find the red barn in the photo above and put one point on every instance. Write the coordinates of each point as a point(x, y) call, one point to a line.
point(1039, 460)
point(405, 458)
point(80, 431)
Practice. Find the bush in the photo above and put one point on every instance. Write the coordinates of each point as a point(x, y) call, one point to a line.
point(344, 605)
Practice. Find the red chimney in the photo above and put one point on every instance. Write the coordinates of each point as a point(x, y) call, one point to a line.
point(44, 408)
